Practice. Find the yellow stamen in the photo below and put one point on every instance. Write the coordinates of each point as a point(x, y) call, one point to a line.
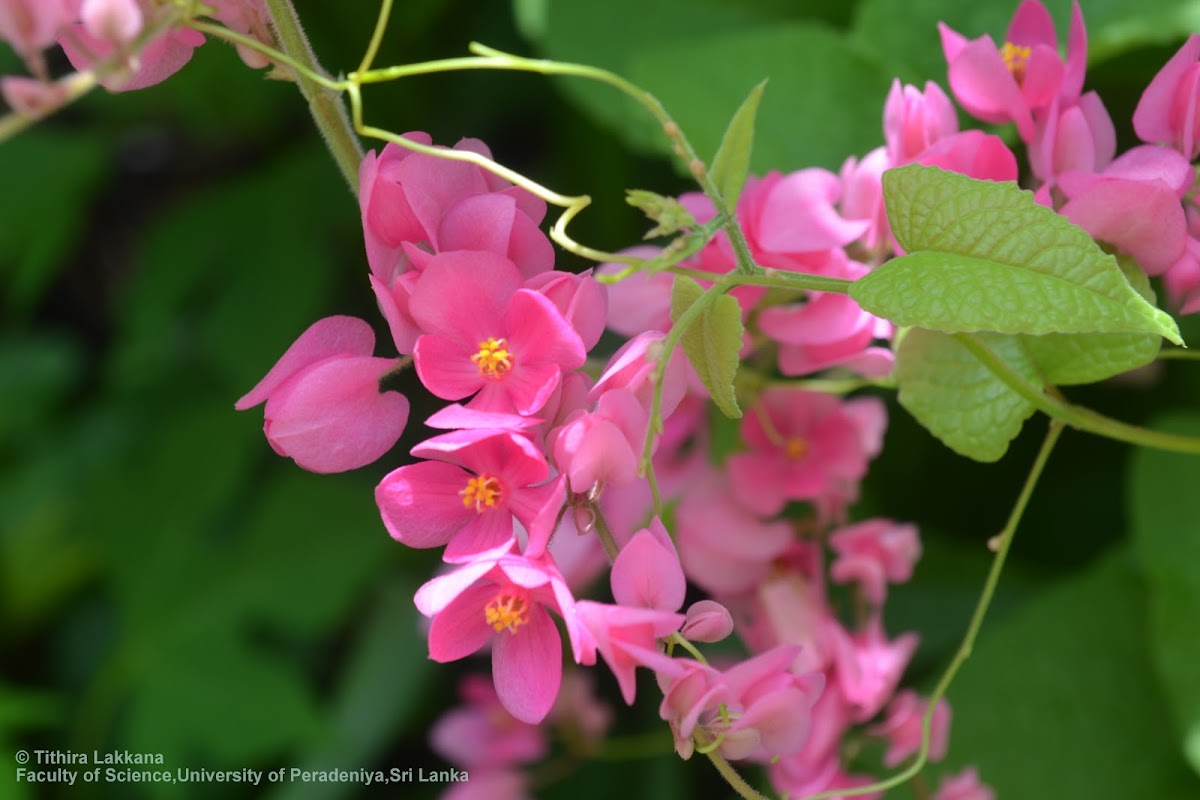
point(796, 447)
point(483, 491)
point(1016, 57)
point(493, 358)
point(507, 611)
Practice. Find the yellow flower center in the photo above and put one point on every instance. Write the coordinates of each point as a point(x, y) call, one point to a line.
point(796, 448)
point(507, 611)
point(483, 491)
point(1016, 57)
point(493, 358)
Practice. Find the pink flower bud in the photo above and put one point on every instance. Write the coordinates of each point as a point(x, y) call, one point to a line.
point(1169, 110)
point(116, 22)
point(707, 621)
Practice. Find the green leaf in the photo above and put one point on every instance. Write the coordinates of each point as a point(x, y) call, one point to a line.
point(1070, 359)
point(983, 256)
point(712, 341)
point(1061, 701)
point(956, 397)
point(732, 161)
point(1166, 531)
point(668, 212)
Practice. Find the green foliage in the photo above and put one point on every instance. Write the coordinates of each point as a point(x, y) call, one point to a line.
point(732, 161)
point(956, 397)
point(1166, 530)
point(699, 57)
point(712, 340)
point(1061, 700)
point(1028, 270)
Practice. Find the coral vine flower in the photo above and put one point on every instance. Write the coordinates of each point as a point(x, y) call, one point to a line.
point(1169, 110)
point(414, 204)
point(803, 446)
point(1011, 82)
point(485, 333)
point(324, 407)
point(902, 728)
point(467, 499)
point(874, 552)
point(502, 598)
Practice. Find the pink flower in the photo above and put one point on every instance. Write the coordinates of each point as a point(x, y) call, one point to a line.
point(414, 204)
point(874, 552)
point(502, 598)
point(116, 22)
point(862, 196)
point(867, 667)
point(803, 446)
point(771, 706)
point(482, 735)
point(972, 153)
point(914, 120)
point(467, 499)
point(1078, 138)
point(627, 638)
point(963, 786)
point(31, 25)
point(160, 59)
point(1010, 83)
point(324, 406)
point(579, 298)
point(902, 728)
point(602, 447)
point(485, 333)
point(1169, 110)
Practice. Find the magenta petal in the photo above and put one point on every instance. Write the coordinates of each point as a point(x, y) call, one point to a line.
point(461, 628)
point(527, 667)
point(1142, 219)
point(463, 294)
point(332, 336)
point(333, 417)
point(1032, 25)
point(1072, 80)
point(800, 216)
point(529, 386)
point(393, 304)
point(537, 509)
point(444, 365)
point(986, 89)
point(480, 222)
point(421, 504)
point(538, 332)
point(489, 529)
point(438, 593)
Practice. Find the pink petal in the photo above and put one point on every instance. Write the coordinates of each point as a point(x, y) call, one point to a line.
point(445, 368)
point(800, 216)
point(393, 304)
point(1156, 118)
point(463, 294)
point(333, 417)
point(325, 338)
point(646, 574)
point(487, 530)
point(527, 667)
point(421, 504)
point(537, 332)
point(461, 627)
point(1032, 25)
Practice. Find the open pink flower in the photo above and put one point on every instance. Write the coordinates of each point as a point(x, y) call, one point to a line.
point(485, 333)
point(502, 598)
point(803, 446)
point(324, 406)
point(1169, 110)
point(627, 637)
point(160, 59)
point(1010, 83)
point(467, 499)
point(867, 667)
point(827, 331)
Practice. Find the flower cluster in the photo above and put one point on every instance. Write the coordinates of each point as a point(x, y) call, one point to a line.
point(127, 44)
point(542, 455)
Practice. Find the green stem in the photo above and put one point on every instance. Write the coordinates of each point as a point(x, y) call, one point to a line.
point(326, 107)
point(1004, 543)
point(731, 776)
point(1178, 354)
point(1075, 416)
point(604, 532)
point(385, 12)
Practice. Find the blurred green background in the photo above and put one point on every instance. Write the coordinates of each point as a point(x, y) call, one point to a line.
point(169, 585)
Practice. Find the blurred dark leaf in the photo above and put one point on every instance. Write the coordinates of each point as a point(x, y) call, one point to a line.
point(1061, 700)
point(1166, 528)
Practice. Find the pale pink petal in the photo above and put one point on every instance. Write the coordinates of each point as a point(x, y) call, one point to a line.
point(484, 532)
point(646, 574)
point(325, 338)
point(527, 667)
